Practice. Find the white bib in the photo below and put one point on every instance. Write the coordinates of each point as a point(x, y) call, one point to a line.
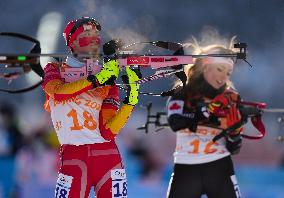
point(76, 120)
point(196, 148)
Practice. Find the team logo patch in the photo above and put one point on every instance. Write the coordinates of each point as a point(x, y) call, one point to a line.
point(119, 183)
point(63, 186)
point(175, 107)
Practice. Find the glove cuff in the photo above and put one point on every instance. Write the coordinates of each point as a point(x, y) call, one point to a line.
point(234, 138)
point(126, 100)
point(234, 146)
point(132, 95)
point(93, 79)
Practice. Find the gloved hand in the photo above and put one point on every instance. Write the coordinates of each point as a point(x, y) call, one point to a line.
point(202, 112)
point(133, 75)
point(233, 115)
point(218, 105)
point(234, 139)
point(107, 75)
point(234, 143)
point(111, 48)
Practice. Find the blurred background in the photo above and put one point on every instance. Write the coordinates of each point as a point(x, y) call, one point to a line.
point(28, 143)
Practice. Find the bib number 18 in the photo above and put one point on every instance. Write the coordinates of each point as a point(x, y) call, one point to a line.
point(119, 183)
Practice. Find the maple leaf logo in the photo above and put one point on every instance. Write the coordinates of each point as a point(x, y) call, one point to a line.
point(175, 106)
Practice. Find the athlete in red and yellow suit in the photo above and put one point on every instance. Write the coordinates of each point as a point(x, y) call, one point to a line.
point(86, 121)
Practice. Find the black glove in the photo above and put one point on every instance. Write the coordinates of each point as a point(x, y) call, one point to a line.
point(234, 143)
point(202, 112)
point(111, 48)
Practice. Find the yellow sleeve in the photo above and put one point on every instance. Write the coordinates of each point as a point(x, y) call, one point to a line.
point(113, 119)
point(116, 123)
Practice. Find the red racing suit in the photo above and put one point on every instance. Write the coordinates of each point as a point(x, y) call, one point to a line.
point(86, 121)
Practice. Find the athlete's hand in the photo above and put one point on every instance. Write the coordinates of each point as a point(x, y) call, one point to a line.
point(107, 75)
point(234, 143)
point(233, 115)
point(202, 112)
point(218, 105)
point(111, 48)
point(133, 75)
point(234, 139)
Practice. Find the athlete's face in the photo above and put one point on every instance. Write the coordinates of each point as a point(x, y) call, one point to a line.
point(217, 74)
point(87, 42)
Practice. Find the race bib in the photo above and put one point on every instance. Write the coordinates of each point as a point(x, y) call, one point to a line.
point(119, 183)
point(63, 186)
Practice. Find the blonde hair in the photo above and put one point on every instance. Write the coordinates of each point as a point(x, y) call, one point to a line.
point(194, 70)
